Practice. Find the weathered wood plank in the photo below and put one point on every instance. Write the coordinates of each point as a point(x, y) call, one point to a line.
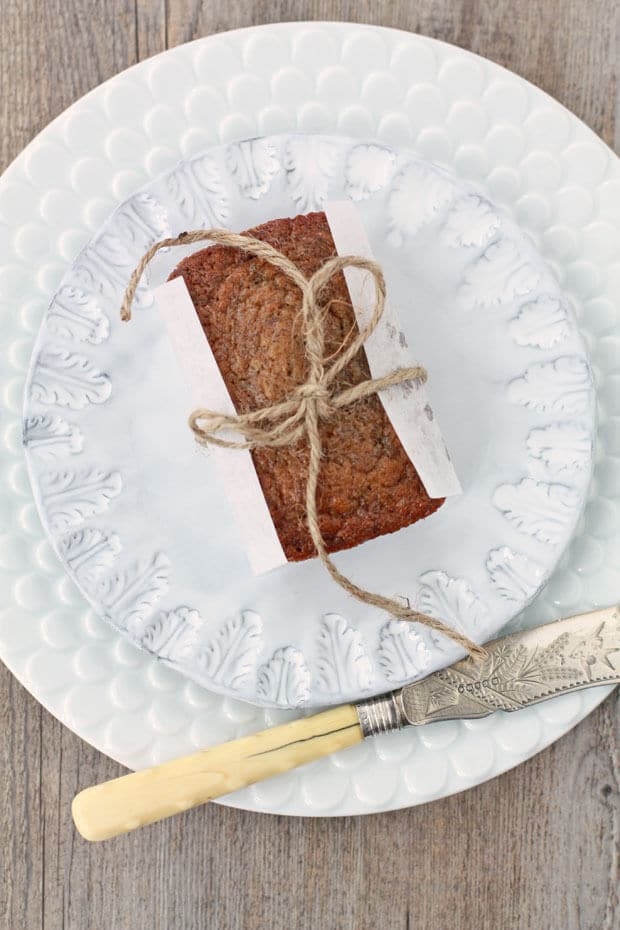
point(51, 54)
point(151, 27)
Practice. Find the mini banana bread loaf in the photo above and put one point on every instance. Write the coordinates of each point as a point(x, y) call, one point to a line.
point(249, 311)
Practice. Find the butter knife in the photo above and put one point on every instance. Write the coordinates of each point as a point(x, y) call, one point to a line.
point(519, 670)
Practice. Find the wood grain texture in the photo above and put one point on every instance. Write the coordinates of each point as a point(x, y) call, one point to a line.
point(536, 848)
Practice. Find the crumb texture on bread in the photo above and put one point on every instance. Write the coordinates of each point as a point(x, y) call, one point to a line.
point(250, 311)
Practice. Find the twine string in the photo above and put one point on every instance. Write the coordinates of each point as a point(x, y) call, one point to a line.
point(298, 415)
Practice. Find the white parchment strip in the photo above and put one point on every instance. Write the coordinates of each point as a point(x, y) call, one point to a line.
point(405, 404)
point(206, 388)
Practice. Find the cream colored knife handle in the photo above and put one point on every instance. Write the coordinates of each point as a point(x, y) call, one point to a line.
point(144, 797)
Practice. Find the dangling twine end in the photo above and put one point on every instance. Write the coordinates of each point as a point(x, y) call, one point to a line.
point(478, 653)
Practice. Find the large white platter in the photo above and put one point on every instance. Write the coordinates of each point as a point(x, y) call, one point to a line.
point(532, 158)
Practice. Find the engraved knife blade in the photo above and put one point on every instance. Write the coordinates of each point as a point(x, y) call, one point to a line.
point(519, 670)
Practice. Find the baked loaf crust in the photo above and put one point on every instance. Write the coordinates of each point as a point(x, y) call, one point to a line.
point(249, 311)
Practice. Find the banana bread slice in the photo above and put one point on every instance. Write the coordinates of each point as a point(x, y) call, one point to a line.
point(249, 311)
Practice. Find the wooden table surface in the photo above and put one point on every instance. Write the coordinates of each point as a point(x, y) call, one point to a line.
point(536, 848)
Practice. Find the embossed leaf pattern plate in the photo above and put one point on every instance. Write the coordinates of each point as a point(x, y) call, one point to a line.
point(539, 164)
point(141, 521)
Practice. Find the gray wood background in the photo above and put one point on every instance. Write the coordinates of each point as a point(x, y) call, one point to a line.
point(536, 848)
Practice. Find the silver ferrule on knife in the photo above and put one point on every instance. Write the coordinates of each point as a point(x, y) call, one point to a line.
point(382, 714)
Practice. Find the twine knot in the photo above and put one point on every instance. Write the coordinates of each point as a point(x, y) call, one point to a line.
point(317, 393)
point(297, 416)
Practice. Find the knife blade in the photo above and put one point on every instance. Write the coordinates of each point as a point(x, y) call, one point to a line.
point(519, 670)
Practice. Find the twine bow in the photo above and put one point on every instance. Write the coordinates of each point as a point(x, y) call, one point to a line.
point(298, 416)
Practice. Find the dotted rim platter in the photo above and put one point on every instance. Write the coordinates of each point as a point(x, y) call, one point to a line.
point(540, 164)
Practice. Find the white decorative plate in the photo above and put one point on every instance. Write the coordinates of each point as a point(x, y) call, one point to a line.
point(140, 520)
point(532, 158)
